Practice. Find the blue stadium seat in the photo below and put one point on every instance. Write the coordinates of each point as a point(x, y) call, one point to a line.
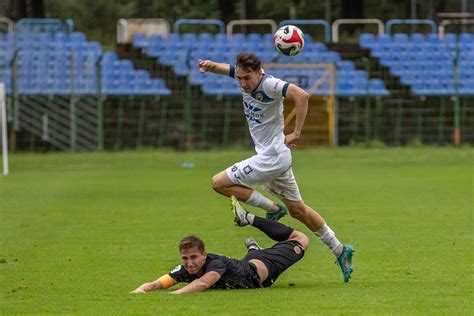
point(417, 38)
point(140, 40)
point(401, 38)
point(377, 87)
point(466, 38)
point(254, 38)
point(220, 38)
point(78, 37)
point(155, 40)
point(384, 40)
point(367, 40)
point(189, 38)
point(205, 39)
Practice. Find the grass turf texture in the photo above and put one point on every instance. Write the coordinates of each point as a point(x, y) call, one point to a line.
point(79, 231)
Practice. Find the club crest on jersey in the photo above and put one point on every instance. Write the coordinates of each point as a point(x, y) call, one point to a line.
point(259, 96)
point(176, 269)
point(251, 113)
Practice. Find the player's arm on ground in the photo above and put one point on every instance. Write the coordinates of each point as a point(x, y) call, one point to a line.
point(211, 66)
point(207, 280)
point(300, 99)
point(162, 283)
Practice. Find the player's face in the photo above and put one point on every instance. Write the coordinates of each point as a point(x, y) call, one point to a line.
point(193, 259)
point(248, 80)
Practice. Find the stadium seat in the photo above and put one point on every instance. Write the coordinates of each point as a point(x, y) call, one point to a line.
point(367, 40)
point(401, 38)
point(140, 40)
point(377, 87)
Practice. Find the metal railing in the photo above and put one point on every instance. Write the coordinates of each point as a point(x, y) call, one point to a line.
point(234, 23)
point(337, 23)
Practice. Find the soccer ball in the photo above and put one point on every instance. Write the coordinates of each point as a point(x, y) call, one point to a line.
point(288, 40)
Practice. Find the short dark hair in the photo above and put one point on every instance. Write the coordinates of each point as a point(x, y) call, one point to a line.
point(191, 241)
point(248, 62)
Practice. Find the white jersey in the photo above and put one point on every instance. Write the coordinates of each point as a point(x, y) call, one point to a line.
point(263, 109)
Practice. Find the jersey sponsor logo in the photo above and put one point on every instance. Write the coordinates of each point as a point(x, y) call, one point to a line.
point(276, 84)
point(251, 113)
point(248, 169)
point(297, 250)
point(176, 269)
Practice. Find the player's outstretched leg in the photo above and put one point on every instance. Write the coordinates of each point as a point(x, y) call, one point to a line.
point(345, 262)
point(251, 244)
point(275, 230)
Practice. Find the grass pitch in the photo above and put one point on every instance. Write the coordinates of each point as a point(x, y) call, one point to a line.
point(78, 232)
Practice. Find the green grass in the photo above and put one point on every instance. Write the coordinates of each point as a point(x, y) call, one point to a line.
point(79, 231)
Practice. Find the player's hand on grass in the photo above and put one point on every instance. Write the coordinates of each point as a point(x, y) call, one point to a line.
point(138, 291)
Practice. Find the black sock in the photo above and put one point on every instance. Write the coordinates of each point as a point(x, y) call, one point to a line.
point(275, 230)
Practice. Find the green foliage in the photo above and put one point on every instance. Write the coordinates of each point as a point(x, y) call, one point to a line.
point(79, 231)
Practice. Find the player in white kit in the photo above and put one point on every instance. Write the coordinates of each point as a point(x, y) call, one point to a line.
point(263, 97)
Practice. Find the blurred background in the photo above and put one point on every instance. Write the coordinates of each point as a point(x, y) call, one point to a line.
point(92, 75)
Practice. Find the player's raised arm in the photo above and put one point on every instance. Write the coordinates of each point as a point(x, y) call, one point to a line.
point(300, 98)
point(210, 66)
point(161, 283)
point(203, 283)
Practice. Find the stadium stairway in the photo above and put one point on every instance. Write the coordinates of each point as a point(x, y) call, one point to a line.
point(317, 129)
point(362, 58)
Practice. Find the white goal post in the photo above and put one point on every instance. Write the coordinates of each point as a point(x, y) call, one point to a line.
point(3, 123)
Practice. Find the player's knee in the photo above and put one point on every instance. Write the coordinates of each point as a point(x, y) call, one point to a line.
point(218, 184)
point(215, 183)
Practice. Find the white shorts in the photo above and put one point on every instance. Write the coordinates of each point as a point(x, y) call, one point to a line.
point(273, 172)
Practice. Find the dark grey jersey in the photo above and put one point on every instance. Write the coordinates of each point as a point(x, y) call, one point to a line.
point(235, 274)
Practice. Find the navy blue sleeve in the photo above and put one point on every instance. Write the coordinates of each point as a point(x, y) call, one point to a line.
point(283, 90)
point(232, 71)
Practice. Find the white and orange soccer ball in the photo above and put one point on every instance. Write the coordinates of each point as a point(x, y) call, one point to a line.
point(288, 40)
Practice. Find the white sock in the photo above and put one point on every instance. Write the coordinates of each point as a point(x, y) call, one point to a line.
point(250, 217)
point(328, 237)
point(257, 199)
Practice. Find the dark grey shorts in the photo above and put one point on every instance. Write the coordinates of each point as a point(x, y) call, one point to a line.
point(278, 258)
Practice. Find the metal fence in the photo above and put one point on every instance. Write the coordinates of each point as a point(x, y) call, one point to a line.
point(190, 120)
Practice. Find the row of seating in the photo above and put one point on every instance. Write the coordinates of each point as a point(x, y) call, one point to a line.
point(68, 63)
point(181, 52)
point(430, 65)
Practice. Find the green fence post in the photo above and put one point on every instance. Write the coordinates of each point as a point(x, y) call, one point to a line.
point(355, 120)
point(368, 106)
point(162, 129)
point(187, 141)
point(367, 118)
point(442, 107)
point(419, 120)
point(378, 109)
point(204, 127)
point(100, 106)
point(398, 122)
point(118, 131)
point(457, 120)
point(225, 138)
point(141, 122)
point(73, 120)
